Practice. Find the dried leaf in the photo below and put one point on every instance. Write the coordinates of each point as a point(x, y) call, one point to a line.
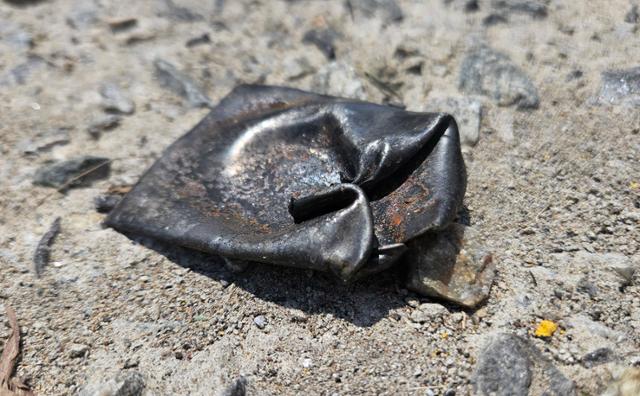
point(11, 349)
point(11, 386)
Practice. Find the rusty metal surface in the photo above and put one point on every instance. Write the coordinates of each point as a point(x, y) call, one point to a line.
point(283, 176)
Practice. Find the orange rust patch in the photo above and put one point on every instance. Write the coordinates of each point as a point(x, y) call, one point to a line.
point(396, 219)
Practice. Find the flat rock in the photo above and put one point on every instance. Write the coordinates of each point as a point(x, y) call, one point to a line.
point(597, 357)
point(510, 365)
point(102, 124)
point(388, 10)
point(18, 38)
point(466, 111)
point(633, 16)
point(237, 388)
point(532, 8)
point(178, 13)
point(428, 312)
point(173, 79)
point(115, 100)
point(260, 321)
point(20, 74)
point(77, 350)
point(451, 265)
point(298, 68)
point(125, 384)
point(339, 79)
point(620, 87)
point(106, 202)
point(323, 39)
point(83, 15)
point(59, 174)
point(45, 140)
point(487, 72)
point(610, 266)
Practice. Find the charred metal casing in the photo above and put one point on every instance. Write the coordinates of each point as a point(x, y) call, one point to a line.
point(282, 176)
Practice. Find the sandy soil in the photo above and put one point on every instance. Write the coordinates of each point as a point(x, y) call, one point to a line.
point(554, 191)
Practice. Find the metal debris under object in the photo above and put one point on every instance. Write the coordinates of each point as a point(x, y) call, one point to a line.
point(282, 176)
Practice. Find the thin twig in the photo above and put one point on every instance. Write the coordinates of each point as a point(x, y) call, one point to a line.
point(74, 179)
point(11, 386)
point(383, 86)
point(43, 250)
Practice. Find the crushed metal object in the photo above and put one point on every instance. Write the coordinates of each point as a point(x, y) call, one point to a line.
point(282, 176)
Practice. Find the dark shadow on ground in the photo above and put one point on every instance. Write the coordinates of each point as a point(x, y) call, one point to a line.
point(363, 302)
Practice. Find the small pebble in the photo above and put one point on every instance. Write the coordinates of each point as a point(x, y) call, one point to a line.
point(77, 350)
point(114, 100)
point(260, 321)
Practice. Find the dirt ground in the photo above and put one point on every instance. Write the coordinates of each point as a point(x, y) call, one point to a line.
point(553, 189)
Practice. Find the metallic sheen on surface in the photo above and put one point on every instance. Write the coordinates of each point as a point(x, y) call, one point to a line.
point(282, 176)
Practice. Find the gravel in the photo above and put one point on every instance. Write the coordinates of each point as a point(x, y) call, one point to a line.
point(115, 100)
point(102, 124)
point(178, 82)
point(485, 71)
point(509, 365)
point(620, 86)
point(467, 112)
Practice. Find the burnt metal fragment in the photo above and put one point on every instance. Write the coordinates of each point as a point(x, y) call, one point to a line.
point(282, 176)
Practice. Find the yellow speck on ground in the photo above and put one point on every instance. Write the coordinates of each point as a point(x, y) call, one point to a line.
point(634, 185)
point(546, 328)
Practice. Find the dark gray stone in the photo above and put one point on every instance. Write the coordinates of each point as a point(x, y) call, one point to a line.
point(23, 3)
point(170, 77)
point(388, 10)
point(45, 140)
point(485, 71)
point(132, 384)
point(62, 174)
point(198, 40)
point(504, 367)
point(20, 73)
point(532, 8)
point(633, 16)
point(597, 357)
point(178, 13)
point(586, 286)
point(238, 388)
point(114, 100)
point(494, 19)
point(13, 34)
point(510, 365)
point(102, 124)
point(471, 6)
point(77, 350)
point(126, 383)
point(105, 203)
point(83, 14)
point(620, 87)
point(323, 39)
